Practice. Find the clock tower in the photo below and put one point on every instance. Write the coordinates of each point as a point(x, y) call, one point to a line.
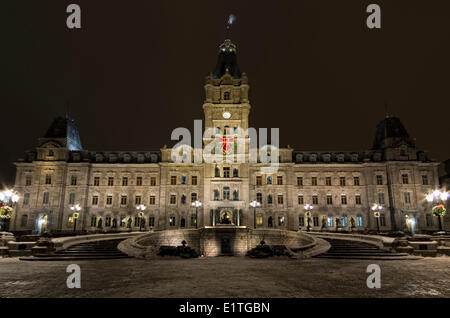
point(226, 90)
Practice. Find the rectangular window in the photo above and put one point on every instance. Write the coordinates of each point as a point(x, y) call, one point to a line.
point(424, 179)
point(183, 179)
point(193, 197)
point(109, 200)
point(429, 219)
point(356, 181)
point(226, 172)
point(382, 219)
point(315, 199)
point(138, 181)
point(328, 181)
point(172, 221)
point(279, 180)
point(330, 222)
point(281, 221)
point(122, 220)
point(173, 180)
point(280, 199)
point(258, 180)
point(28, 180)
point(300, 199)
point(259, 219)
point(344, 199)
point(152, 200)
point(359, 221)
point(123, 200)
point(407, 196)
point(151, 221)
point(96, 181)
point(194, 180)
point(71, 198)
point(95, 200)
point(314, 181)
point(125, 181)
point(110, 181)
point(26, 199)
point(45, 198)
point(48, 179)
point(153, 181)
point(299, 181)
point(301, 220)
point(138, 200)
point(379, 180)
point(342, 181)
point(329, 199)
point(380, 197)
point(226, 193)
point(173, 199)
point(316, 221)
point(358, 199)
point(405, 179)
point(73, 180)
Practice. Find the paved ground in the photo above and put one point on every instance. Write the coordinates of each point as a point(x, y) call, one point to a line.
point(226, 277)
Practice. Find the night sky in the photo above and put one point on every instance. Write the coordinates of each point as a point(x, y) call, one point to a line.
point(136, 70)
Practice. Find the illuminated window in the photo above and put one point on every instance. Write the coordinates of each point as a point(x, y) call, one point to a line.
point(359, 221)
point(344, 220)
point(330, 222)
point(172, 221)
point(259, 219)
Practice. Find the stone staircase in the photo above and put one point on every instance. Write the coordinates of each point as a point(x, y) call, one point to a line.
point(346, 249)
point(85, 251)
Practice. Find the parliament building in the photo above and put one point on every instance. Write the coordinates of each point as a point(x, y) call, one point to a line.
point(108, 187)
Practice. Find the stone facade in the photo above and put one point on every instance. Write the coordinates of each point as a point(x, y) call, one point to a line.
point(109, 185)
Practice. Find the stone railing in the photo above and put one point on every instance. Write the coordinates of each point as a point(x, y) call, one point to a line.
point(61, 243)
point(377, 240)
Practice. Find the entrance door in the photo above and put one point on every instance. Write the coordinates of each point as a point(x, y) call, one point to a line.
point(225, 217)
point(225, 245)
point(42, 224)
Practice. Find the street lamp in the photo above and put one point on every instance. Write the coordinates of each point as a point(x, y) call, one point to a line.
point(308, 208)
point(197, 204)
point(376, 208)
point(8, 199)
point(141, 208)
point(76, 209)
point(254, 204)
point(438, 210)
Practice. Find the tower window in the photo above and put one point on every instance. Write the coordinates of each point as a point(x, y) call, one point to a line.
point(226, 96)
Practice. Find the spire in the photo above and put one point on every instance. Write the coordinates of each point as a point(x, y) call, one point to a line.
point(66, 129)
point(227, 61)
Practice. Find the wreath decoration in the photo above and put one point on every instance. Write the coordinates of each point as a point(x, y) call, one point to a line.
point(439, 210)
point(5, 212)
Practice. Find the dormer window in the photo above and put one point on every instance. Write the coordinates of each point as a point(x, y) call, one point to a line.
point(226, 96)
point(340, 158)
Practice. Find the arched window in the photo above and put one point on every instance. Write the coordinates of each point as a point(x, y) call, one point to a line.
point(216, 195)
point(269, 180)
point(217, 130)
point(51, 153)
point(93, 221)
point(226, 96)
point(217, 172)
point(182, 223)
point(236, 195)
point(235, 173)
point(330, 221)
point(270, 222)
point(183, 199)
point(269, 199)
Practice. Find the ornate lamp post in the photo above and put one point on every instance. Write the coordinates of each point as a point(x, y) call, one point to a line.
point(308, 208)
point(254, 204)
point(438, 210)
point(8, 201)
point(197, 204)
point(376, 208)
point(141, 208)
point(75, 215)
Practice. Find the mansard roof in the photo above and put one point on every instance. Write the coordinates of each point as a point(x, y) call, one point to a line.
point(322, 157)
point(64, 127)
point(391, 128)
point(227, 61)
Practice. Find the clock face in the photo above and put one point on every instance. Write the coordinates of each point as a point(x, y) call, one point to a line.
point(226, 115)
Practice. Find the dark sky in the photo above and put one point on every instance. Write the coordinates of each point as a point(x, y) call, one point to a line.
point(136, 69)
